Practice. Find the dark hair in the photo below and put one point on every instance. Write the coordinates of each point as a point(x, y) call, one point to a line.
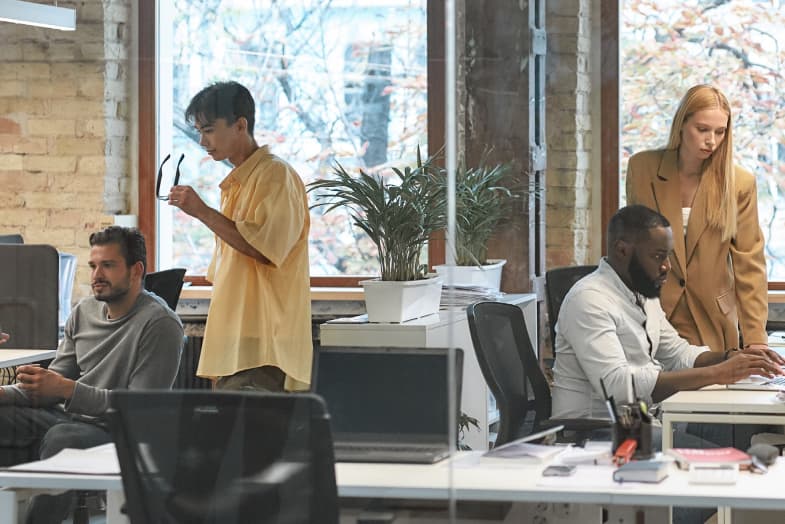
point(130, 240)
point(632, 222)
point(229, 100)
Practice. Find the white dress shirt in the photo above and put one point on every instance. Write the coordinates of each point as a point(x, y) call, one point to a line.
point(605, 331)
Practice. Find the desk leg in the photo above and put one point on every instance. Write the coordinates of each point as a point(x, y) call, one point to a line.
point(8, 515)
point(667, 432)
point(115, 501)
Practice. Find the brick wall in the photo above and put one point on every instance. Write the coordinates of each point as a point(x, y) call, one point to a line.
point(64, 133)
point(569, 224)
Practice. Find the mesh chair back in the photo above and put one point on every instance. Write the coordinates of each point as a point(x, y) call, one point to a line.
point(167, 284)
point(224, 457)
point(510, 367)
point(558, 282)
point(29, 279)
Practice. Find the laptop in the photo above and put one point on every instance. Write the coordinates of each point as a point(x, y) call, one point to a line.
point(758, 383)
point(387, 404)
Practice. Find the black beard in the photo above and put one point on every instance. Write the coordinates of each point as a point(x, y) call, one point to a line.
point(641, 283)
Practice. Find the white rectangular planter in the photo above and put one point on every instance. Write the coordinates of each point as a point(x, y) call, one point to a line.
point(489, 275)
point(395, 302)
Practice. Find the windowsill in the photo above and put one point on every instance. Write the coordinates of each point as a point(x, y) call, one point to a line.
point(356, 293)
point(317, 293)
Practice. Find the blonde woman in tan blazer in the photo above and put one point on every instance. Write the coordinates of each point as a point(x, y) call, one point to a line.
point(718, 277)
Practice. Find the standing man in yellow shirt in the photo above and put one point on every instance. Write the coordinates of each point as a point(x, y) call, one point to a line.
point(258, 332)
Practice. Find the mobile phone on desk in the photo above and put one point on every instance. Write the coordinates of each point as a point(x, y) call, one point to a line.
point(560, 470)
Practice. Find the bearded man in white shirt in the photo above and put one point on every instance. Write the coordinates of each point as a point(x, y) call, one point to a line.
point(612, 329)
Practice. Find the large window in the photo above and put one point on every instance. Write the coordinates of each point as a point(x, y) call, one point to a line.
point(334, 81)
point(666, 46)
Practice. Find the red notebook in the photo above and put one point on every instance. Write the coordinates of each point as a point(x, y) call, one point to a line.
point(687, 456)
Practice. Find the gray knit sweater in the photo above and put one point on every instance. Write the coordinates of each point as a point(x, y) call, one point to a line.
point(140, 350)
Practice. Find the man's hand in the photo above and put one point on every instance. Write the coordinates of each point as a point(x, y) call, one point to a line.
point(4, 337)
point(745, 363)
point(188, 200)
point(39, 382)
point(763, 350)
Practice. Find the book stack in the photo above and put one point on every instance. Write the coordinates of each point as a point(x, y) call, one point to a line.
point(686, 457)
point(642, 471)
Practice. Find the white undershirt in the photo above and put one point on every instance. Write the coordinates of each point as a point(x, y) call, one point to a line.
point(685, 218)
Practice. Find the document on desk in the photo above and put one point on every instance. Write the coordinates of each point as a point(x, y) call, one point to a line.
point(525, 450)
point(99, 460)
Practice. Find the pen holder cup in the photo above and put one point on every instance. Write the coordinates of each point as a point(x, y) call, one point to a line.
point(634, 424)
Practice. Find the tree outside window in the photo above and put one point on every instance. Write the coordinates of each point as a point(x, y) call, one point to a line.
point(334, 81)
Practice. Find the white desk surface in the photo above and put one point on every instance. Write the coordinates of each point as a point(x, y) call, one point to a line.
point(25, 480)
point(524, 483)
point(507, 481)
point(718, 399)
point(17, 357)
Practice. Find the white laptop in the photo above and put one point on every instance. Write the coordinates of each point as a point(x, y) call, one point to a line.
point(758, 382)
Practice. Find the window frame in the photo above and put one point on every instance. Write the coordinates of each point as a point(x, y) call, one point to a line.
point(610, 71)
point(148, 105)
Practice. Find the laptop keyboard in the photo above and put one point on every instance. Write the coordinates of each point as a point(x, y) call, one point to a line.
point(778, 381)
point(370, 448)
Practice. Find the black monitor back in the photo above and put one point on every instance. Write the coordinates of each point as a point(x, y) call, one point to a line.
point(29, 277)
point(224, 457)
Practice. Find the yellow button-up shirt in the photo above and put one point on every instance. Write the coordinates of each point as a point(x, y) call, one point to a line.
point(260, 314)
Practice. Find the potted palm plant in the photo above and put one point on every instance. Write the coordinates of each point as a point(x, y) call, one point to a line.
point(481, 202)
point(398, 212)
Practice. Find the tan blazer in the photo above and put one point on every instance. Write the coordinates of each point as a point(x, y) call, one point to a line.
point(715, 286)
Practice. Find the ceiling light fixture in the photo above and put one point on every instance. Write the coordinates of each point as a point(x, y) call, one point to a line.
point(29, 13)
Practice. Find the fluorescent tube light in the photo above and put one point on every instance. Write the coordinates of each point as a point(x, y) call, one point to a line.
point(40, 15)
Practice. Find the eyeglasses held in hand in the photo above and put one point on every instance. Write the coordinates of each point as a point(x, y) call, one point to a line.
point(158, 194)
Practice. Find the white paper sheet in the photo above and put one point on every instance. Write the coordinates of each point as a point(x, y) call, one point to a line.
point(99, 460)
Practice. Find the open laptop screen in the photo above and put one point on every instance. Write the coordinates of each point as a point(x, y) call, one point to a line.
point(374, 393)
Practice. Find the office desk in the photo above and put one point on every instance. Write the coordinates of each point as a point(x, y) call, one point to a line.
point(524, 483)
point(17, 357)
point(717, 404)
point(11, 481)
point(467, 479)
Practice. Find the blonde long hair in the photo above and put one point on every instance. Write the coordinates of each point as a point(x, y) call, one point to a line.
point(718, 168)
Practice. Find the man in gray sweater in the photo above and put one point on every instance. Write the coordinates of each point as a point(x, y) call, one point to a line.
point(120, 338)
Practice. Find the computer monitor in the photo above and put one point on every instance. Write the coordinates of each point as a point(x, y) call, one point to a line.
point(374, 392)
point(29, 281)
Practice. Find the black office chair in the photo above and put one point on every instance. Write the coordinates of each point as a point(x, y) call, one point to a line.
point(224, 457)
point(510, 367)
point(558, 282)
point(12, 239)
point(167, 284)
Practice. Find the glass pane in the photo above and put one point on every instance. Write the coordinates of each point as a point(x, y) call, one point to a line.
point(334, 81)
point(739, 46)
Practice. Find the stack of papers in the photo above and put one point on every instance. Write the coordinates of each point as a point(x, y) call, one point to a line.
point(99, 460)
point(462, 296)
point(777, 339)
point(525, 450)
